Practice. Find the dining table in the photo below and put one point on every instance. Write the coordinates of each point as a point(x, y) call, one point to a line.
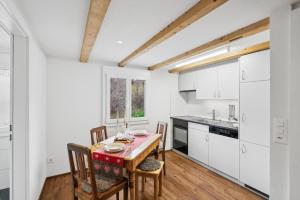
point(133, 155)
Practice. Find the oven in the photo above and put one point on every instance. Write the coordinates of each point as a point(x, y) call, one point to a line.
point(180, 136)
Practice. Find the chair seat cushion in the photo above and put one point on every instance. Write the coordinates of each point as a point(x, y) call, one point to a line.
point(149, 165)
point(102, 183)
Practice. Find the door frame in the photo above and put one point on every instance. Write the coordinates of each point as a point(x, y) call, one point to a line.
point(20, 107)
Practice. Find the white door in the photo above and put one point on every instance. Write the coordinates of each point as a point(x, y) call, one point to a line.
point(5, 116)
point(224, 154)
point(255, 66)
point(254, 166)
point(228, 80)
point(198, 142)
point(255, 112)
point(207, 83)
point(187, 81)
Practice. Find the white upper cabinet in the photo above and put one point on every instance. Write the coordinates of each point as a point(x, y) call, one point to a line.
point(255, 166)
point(187, 81)
point(255, 112)
point(228, 81)
point(221, 82)
point(255, 66)
point(198, 142)
point(207, 83)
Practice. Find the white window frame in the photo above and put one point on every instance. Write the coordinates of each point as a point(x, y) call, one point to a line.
point(129, 75)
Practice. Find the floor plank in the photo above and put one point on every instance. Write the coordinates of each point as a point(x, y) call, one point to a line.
point(185, 180)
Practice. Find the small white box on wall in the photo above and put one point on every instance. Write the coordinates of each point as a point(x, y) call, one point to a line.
point(280, 130)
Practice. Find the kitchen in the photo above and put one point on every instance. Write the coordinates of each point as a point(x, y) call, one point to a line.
point(237, 147)
point(136, 99)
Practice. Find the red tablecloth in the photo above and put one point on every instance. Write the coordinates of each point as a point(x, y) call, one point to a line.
point(111, 164)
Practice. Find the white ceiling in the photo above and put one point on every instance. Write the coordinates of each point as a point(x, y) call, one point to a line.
point(59, 26)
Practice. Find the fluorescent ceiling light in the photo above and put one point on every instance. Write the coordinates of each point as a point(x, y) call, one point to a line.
point(204, 56)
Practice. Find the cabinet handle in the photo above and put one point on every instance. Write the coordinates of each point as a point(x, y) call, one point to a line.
point(244, 150)
point(206, 138)
point(243, 75)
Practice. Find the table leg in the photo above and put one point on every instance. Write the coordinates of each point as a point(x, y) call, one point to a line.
point(132, 185)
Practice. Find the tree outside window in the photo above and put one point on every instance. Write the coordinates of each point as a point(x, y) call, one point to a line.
point(137, 98)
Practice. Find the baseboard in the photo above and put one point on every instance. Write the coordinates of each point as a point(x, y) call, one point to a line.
point(58, 175)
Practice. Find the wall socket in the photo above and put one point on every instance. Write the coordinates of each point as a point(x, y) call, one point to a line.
point(50, 160)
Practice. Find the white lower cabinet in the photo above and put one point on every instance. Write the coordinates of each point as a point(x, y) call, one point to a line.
point(254, 166)
point(198, 142)
point(224, 154)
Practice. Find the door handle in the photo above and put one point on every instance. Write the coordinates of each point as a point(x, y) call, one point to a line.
point(243, 117)
point(243, 75)
point(244, 150)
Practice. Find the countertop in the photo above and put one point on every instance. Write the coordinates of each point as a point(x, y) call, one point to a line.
point(206, 121)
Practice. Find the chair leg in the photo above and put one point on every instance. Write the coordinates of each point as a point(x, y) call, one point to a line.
point(156, 188)
point(137, 187)
point(160, 184)
point(164, 159)
point(125, 192)
point(117, 196)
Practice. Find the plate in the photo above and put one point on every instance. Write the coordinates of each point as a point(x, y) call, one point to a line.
point(139, 132)
point(114, 147)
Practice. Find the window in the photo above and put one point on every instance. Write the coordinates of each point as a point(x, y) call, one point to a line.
point(137, 98)
point(117, 98)
point(125, 99)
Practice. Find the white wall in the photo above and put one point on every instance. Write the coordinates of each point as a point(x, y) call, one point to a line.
point(74, 107)
point(37, 120)
point(280, 61)
point(285, 97)
point(294, 100)
point(280, 64)
point(74, 104)
point(163, 92)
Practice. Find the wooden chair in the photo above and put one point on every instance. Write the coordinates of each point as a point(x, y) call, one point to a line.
point(98, 134)
point(162, 129)
point(157, 177)
point(83, 175)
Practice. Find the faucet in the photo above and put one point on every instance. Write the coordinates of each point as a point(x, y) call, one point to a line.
point(213, 112)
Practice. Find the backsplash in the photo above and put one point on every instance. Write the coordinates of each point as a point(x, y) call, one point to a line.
point(202, 108)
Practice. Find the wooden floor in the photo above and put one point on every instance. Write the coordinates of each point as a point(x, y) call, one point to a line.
point(185, 180)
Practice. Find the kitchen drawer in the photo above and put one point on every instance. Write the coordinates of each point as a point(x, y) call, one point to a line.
point(200, 127)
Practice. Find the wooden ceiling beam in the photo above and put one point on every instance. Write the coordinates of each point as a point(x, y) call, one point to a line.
point(199, 10)
point(246, 31)
point(223, 57)
point(97, 11)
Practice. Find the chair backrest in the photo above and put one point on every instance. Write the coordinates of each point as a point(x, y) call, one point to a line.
point(98, 134)
point(162, 128)
point(81, 166)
